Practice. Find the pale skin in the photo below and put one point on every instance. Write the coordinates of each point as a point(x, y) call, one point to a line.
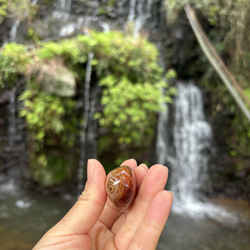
point(94, 223)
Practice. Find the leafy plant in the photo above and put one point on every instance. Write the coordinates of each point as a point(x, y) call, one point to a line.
point(3, 10)
point(13, 61)
point(129, 109)
point(67, 49)
point(44, 116)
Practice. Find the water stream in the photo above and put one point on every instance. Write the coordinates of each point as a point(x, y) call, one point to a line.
point(139, 12)
point(12, 118)
point(13, 30)
point(191, 143)
point(184, 139)
point(86, 116)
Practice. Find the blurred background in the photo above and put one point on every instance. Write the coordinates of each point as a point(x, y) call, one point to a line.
point(113, 80)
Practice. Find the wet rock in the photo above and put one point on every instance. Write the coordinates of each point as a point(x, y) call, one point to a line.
point(4, 97)
point(54, 78)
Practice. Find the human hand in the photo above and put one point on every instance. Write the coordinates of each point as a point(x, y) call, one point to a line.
point(94, 223)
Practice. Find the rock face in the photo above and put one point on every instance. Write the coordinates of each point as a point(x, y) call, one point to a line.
point(61, 18)
point(58, 19)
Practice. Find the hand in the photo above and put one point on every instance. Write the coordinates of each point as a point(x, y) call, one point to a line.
point(94, 223)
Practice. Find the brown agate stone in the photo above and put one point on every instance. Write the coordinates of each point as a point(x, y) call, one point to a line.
point(121, 187)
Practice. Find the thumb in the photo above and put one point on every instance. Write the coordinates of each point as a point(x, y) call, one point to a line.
point(84, 214)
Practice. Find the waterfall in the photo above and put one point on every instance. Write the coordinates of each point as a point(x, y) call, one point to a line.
point(139, 12)
point(13, 30)
point(192, 137)
point(64, 5)
point(62, 10)
point(131, 16)
point(69, 23)
point(161, 145)
point(12, 119)
point(34, 2)
point(183, 142)
point(86, 117)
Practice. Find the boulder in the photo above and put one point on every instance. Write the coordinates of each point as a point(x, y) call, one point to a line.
point(54, 78)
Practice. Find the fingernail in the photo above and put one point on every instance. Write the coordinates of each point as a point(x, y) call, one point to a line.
point(144, 166)
point(90, 170)
point(171, 192)
point(167, 168)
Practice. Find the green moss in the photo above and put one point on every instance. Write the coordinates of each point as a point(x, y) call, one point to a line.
point(32, 36)
point(103, 10)
point(111, 3)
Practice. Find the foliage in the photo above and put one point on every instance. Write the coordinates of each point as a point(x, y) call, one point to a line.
point(51, 125)
point(67, 49)
point(13, 61)
point(32, 35)
point(129, 108)
point(125, 66)
point(44, 115)
point(231, 127)
point(3, 10)
point(135, 57)
point(129, 75)
point(57, 167)
point(240, 139)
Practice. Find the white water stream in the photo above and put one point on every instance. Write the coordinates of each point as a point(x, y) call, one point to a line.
point(12, 132)
point(13, 30)
point(183, 143)
point(192, 139)
point(139, 12)
point(83, 136)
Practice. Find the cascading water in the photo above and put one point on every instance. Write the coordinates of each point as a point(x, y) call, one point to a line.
point(192, 139)
point(13, 30)
point(86, 109)
point(162, 136)
point(139, 12)
point(183, 143)
point(12, 119)
point(88, 140)
point(69, 23)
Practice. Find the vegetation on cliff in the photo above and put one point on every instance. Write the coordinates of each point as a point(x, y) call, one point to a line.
point(126, 69)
